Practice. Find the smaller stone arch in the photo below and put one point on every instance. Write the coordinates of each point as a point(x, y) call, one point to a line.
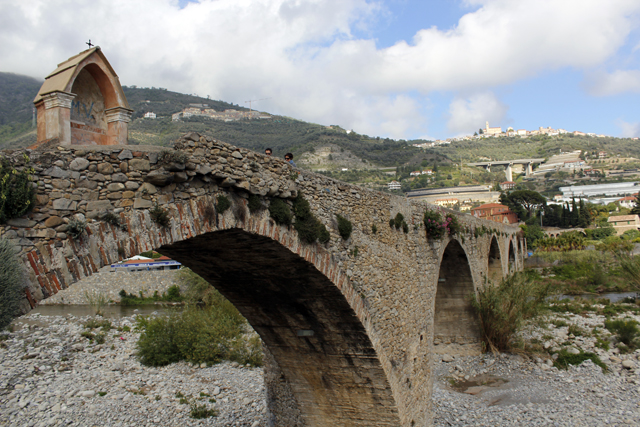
point(494, 261)
point(512, 257)
point(455, 323)
point(82, 103)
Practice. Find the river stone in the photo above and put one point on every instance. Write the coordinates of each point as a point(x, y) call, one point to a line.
point(132, 185)
point(628, 364)
point(237, 155)
point(119, 177)
point(159, 177)
point(116, 186)
point(573, 350)
point(53, 221)
point(105, 168)
point(79, 164)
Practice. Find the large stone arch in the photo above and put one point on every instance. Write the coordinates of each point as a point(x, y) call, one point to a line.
point(455, 324)
point(494, 261)
point(305, 321)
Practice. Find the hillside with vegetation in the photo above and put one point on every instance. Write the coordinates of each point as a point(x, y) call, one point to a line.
point(348, 156)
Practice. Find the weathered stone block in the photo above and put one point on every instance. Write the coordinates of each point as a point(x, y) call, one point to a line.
point(114, 196)
point(119, 177)
point(56, 172)
point(125, 154)
point(140, 203)
point(116, 186)
point(85, 183)
point(128, 195)
point(53, 221)
point(79, 164)
point(159, 177)
point(21, 222)
point(64, 204)
point(105, 168)
point(139, 165)
point(99, 205)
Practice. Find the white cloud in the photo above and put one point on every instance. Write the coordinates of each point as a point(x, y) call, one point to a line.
point(468, 115)
point(620, 81)
point(628, 130)
point(303, 55)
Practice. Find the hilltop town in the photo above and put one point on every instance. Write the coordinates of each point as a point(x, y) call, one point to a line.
point(497, 132)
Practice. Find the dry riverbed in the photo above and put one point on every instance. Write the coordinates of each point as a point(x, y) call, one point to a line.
point(52, 375)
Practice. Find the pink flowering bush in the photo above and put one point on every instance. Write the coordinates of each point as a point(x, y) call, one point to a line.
point(437, 224)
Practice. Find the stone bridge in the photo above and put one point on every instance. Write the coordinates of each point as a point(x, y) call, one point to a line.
point(349, 327)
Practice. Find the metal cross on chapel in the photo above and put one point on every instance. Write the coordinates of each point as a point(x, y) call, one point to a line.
point(89, 44)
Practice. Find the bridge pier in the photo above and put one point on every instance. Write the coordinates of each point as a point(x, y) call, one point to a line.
point(528, 169)
point(509, 172)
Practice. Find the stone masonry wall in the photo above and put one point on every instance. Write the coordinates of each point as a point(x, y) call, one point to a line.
point(389, 278)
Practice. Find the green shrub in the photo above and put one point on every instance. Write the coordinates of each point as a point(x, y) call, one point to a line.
point(565, 359)
point(99, 338)
point(160, 216)
point(344, 227)
point(222, 203)
point(405, 227)
point(173, 294)
point(433, 224)
point(113, 219)
point(11, 283)
point(280, 212)
point(398, 220)
point(626, 331)
point(76, 227)
point(503, 308)
point(209, 334)
point(199, 412)
point(374, 229)
point(17, 195)
point(392, 223)
point(308, 226)
point(254, 203)
point(196, 335)
point(104, 324)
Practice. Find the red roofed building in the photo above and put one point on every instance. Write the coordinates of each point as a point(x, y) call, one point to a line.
point(495, 212)
point(628, 202)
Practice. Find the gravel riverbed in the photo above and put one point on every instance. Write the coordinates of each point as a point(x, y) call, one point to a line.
point(50, 375)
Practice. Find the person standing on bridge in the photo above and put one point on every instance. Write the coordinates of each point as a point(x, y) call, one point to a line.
point(289, 158)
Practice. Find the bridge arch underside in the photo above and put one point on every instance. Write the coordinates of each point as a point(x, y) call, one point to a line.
point(494, 267)
point(330, 372)
point(456, 328)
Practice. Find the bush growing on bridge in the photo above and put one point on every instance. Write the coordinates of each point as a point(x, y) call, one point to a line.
point(160, 216)
point(309, 227)
point(222, 203)
point(344, 227)
point(280, 212)
point(502, 309)
point(11, 282)
point(76, 227)
point(17, 195)
point(254, 203)
point(437, 225)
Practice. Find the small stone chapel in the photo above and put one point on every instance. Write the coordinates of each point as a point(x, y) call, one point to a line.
point(82, 103)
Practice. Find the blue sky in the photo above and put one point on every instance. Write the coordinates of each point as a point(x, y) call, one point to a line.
point(395, 68)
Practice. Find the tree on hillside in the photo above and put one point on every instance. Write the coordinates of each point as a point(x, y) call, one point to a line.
point(524, 202)
point(636, 209)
